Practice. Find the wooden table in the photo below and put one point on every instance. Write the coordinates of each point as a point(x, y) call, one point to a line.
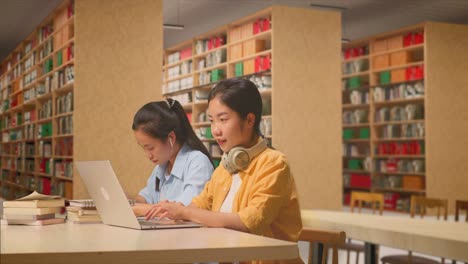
point(437, 238)
point(98, 243)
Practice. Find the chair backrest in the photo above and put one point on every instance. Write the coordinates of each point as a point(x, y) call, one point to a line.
point(423, 203)
point(329, 239)
point(369, 197)
point(461, 205)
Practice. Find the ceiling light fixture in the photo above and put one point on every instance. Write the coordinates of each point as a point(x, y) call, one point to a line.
point(345, 40)
point(173, 26)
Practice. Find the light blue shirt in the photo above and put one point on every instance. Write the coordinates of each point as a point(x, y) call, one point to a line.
point(191, 170)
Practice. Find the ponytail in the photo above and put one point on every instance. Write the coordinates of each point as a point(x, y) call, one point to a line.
point(158, 119)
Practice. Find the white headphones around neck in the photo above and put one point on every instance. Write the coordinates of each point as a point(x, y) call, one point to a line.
point(238, 158)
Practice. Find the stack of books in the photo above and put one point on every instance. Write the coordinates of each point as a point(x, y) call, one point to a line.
point(34, 209)
point(83, 212)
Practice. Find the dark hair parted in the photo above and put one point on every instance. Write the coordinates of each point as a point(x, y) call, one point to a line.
point(158, 119)
point(242, 96)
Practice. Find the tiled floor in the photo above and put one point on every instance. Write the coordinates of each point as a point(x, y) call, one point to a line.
point(383, 251)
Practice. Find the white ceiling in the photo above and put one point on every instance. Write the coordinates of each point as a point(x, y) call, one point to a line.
point(361, 17)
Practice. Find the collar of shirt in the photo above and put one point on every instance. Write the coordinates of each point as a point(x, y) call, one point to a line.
point(178, 167)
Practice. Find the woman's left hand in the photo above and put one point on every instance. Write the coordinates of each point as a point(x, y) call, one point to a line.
point(171, 210)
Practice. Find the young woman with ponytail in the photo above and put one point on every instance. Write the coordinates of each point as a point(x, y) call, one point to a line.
point(183, 163)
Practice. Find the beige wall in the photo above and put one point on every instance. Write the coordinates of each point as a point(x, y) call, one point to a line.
point(307, 101)
point(118, 68)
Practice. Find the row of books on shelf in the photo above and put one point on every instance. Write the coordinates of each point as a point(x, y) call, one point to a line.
point(355, 66)
point(212, 59)
point(63, 147)
point(65, 125)
point(357, 116)
point(399, 91)
point(353, 150)
point(180, 69)
point(400, 113)
point(64, 103)
point(407, 148)
point(394, 165)
point(358, 97)
point(45, 111)
point(357, 133)
point(407, 182)
point(205, 45)
point(181, 84)
point(415, 130)
point(179, 55)
point(355, 52)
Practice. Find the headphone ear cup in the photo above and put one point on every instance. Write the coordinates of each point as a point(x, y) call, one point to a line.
point(240, 158)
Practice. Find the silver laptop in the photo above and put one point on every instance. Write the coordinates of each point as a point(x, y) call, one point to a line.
point(111, 202)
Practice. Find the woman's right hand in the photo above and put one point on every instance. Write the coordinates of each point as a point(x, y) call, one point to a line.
point(140, 209)
point(171, 210)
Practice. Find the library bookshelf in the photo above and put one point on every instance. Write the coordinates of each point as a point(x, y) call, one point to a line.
point(36, 115)
point(274, 50)
point(401, 118)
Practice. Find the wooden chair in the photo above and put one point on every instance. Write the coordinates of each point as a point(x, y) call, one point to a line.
point(329, 239)
point(360, 197)
point(422, 203)
point(371, 198)
point(461, 205)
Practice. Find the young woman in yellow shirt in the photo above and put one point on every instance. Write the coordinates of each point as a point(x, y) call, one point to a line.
point(253, 191)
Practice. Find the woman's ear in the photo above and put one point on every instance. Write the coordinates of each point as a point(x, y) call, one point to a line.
point(250, 119)
point(171, 137)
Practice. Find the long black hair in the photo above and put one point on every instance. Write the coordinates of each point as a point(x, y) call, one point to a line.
point(158, 119)
point(240, 95)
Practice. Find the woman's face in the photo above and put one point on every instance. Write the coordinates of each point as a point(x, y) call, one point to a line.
point(228, 128)
point(156, 150)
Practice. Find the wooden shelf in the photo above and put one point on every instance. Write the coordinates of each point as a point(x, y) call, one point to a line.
point(64, 178)
point(43, 174)
point(357, 140)
point(400, 190)
point(179, 77)
point(165, 67)
point(409, 48)
point(356, 125)
point(68, 87)
point(356, 157)
point(363, 57)
point(63, 157)
point(402, 66)
point(199, 124)
point(203, 54)
point(400, 101)
point(399, 122)
point(63, 135)
point(399, 156)
point(356, 171)
point(262, 53)
point(356, 188)
point(354, 106)
point(346, 76)
point(396, 83)
point(262, 35)
point(397, 139)
point(203, 102)
point(63, 114)
point(181, 91)
point(44, 120)
point(217, 66)
point(400, 173)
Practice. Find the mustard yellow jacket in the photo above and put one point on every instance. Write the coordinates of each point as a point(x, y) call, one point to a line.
point(266, 201)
